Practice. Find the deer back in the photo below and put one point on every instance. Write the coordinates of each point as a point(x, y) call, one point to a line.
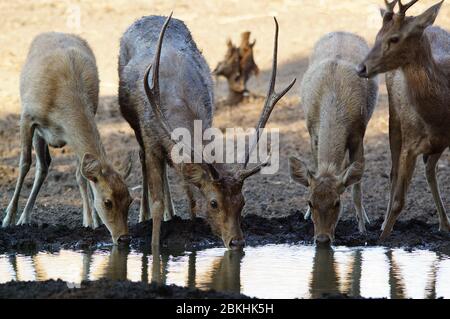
point(337, 103)
point(186, 83)
point(58, 66)
point(59, 86)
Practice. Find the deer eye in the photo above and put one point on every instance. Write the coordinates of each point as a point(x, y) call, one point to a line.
point(337, 203)
point(213, 203)
point(108, 204)
point(394, 39)
point(310, 204)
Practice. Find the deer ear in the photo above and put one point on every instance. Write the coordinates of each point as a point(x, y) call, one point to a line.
point(299, 172)
point(426, 19)
point(91, 167)
point(351, 175)
point(194, 173)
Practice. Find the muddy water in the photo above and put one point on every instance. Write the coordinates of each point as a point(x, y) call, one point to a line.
point(273, 271)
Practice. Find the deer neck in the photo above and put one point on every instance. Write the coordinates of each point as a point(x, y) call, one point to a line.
point(84, 137)
point(428, 85)
point(234, 97)
point(331, 134)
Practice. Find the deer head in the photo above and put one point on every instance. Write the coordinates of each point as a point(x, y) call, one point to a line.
point(111, 196)
point(398, 40)
point(238, 65)
point(220, 185)
point(325, 190)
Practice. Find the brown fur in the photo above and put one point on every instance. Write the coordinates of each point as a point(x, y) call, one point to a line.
point(237, 67)
point(416, 58)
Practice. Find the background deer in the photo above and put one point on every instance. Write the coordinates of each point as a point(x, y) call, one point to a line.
point(59, 92)
point(338, 106)
point(237, 67)
point(178, 92)
point(416, 58)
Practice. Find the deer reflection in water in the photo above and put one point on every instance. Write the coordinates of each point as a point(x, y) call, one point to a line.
point(303, 272)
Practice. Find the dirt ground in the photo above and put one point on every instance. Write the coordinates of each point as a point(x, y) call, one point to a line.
point(211, 23)
point(105, 289)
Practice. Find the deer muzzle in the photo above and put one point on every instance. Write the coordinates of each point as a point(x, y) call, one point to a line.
point(361, 69)
point(236, 243)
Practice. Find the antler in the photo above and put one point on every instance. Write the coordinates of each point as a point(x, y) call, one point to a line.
point(272, 97)
point(390, 6)
point(404, 7)
point(154, 97)
point(153, 92)
point(243, 174)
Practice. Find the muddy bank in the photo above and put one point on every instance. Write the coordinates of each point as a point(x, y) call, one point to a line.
point(105, 289)
point(188, 235)
point(108, 289)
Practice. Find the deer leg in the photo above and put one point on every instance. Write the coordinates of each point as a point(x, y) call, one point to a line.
point(26, 140)
point(43, 161)
point(168, 204)
point(314, 145)
point(144, 211)
point(155, 168)
point(430, 172)
point(407, 164)
point(356, 154)
point(361, 214)
point(393, 182)
point(96, 220)
point(395, 144)
point(87, 203)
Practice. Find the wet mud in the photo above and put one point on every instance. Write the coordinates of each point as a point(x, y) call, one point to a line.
point(105, 289)
point(192, 235)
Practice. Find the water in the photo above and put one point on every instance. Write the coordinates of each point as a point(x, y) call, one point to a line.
point(273, 271)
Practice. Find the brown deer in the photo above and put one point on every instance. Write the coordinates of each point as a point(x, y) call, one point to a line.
point(237, 67)
point(59, 91)
point(416, 59)
point(173, 96)
point(338, 105)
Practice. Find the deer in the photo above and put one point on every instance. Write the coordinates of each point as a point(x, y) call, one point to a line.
point(415, 55)
point(59, 89)
point(237, 67)
point(165, 88)
point(338, 105)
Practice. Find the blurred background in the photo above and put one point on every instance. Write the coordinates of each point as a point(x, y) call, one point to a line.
point(102, 22)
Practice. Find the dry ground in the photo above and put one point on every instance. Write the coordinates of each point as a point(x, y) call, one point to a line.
point(302, 22)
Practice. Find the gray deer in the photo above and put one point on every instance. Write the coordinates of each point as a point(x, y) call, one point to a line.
point(175, 90)
point(338, 105)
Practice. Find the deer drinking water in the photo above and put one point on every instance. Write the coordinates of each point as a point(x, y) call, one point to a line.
point(175, 91)
point(338, 106)
point(59, 90)
point(416, 58)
